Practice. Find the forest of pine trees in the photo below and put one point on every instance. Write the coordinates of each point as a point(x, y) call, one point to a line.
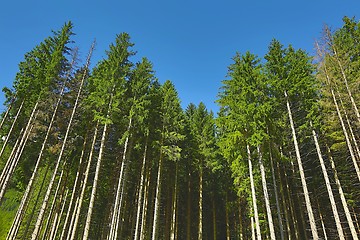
point(109, 153)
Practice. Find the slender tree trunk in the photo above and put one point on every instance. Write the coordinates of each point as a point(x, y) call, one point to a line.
point(322, 223)
point(344, 77)
point(348, 143)
point(117, 206)
point(285, 206)
point(74, 222)
point(328, 187)
point(342, 198)
point(11, 128)
point(302, 174)
point(58, 215)
point(76, 183)
point(96, 178)
point(145, 205)
point(227, 217)
point(253, 236)
point(200, 226)
point(188, 215)
point(158, 195)
point(50, 214)
point(52, 181)
point(7, 112)
point(174, 207)
point(241, 227)
point(281, 228)
point(266, 195)
point(140, 194)
point(5, 175)
point(214, 216)
point(253, 194)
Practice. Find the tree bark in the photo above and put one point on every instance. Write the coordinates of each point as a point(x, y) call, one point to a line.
point(302, 174)
point(253, 194)
point(328, 187)
point(266, 195)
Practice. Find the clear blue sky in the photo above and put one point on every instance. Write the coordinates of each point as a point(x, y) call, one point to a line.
point(190, 42)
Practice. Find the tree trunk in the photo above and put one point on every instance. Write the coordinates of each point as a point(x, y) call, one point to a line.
point(7, 112)
point(76, 183)
point(342, 197)
point(328, 187)
point(157, 196)
point(11, 128)
point(96, 178)
point(302, 174)
point(266, 195)
point(174, 207)
point(227, 221)
point(214, 216)
point(140, 194)
point(73, 226)
point(188, 214)
point(145, 205)
point(253, 194)
point(281, 228)
point(200, 223)
point(117, 206)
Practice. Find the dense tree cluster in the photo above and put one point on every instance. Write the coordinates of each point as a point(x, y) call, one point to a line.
point(108, 152)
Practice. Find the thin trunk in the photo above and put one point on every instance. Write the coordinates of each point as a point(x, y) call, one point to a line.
point(7, 112)
point(342, 197)
point(96, 178)
point(5, 175)
point(52, 206)
point(200, 226)
point(276, 197)
point(356, 219)
point(253, 236)
point(11, 128)
point(227, 222)
point(266, 195)
point(118, 200)
point(57, 220)
point(241, 228)
point(344, 128)
point(302, 174)
point(157, 197)
point(174, 207)
point(253, 194)
point(214, 217)
point(345, 79)
point(350, 128)
point(23, 203)
point(328, 187)
point(76, 183)
point(322, 224)
point(285, 206)
point(140, 193)
point(188, 214)
point(145, 205)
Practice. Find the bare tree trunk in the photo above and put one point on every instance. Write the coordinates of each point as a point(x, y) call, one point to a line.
point(96, 178)
point(227, 217)
point(174, 207)
point(11, 128)
point(140, 194)
point(214, 216)
point(302, 174)
point(145, 205)
point(188, 215)
point(73, 226)
point(118, 200)
point(7, 112)
point(200, 223)
point(57, 220)
point(328, 187)
point(342, 197)
point(157, 196)
point(266, 195)
point(343, 74)
point(284, 205)
point(76, 183)
point(276, 197)
point(253, 194)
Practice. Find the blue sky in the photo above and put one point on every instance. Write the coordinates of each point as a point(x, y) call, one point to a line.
point(190, 42)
